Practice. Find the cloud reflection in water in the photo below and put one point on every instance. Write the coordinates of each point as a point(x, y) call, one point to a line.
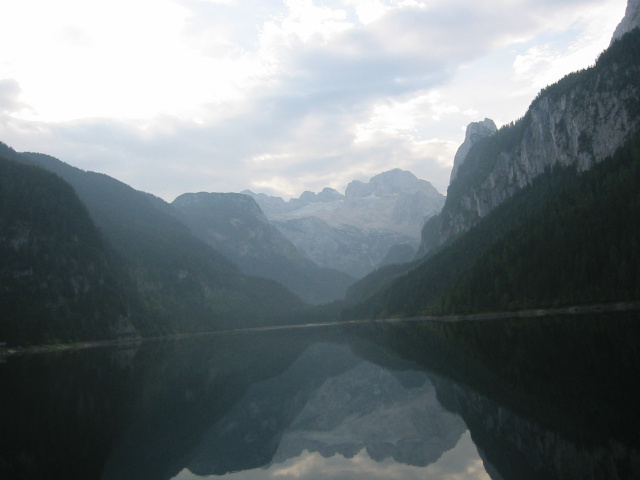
point(461, 463)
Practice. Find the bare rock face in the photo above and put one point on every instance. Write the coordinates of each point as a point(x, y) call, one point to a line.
point(580, 121)
point(353, 232)
point(630, 21)
point(475, 131)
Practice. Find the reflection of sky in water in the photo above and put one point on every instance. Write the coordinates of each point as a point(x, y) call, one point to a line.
point(460, 463)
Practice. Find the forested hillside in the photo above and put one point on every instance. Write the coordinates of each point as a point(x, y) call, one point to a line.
point(569, 238)
point(583, 246)
point(538, 214)
point(174, 281)
point(56, 279)
point(580, 120)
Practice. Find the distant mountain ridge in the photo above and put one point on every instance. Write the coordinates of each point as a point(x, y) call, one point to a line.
point(234, 225)
point(354, 232)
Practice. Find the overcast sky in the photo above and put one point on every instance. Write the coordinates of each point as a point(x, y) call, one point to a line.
point(278, 96)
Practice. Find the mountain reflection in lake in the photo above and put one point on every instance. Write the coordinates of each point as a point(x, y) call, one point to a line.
point(318, 403)
point(333, 415)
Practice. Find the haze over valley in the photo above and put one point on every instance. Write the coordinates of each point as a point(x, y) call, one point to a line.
point(387, 239)
point(206, 260)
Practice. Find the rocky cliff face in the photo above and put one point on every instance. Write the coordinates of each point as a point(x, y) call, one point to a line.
point(353, 232)
point(579, 121)
point(475, 131)
point(630, 21)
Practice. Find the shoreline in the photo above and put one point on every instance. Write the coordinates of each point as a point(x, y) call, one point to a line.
point(136, 341)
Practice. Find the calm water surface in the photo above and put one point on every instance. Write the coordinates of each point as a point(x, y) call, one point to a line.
point(313, 404)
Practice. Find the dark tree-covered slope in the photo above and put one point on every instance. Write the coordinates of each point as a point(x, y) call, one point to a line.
point(568, 238)
point(56, 279)
point(578, 121)
point(541, 213)
point(177, 281)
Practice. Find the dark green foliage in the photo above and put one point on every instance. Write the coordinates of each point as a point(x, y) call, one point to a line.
point(180, 283)
point(568, 238)
point(572, 374)
point(56, 283)
point(170, 280)
point(623, 54)
point(617, 72)
point(377, 281)
point(582, 247)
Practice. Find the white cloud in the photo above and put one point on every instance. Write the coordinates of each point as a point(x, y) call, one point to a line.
point(120, 59)
point(543, 64)
point(368, 10)
point(175, 95)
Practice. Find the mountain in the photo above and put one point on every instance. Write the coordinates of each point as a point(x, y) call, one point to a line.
point(178, 283)
point(579, 121)
point(475, 131)
point(630, 20)
point(234, 225)
point(398, 254)
point(56, 277)
point(567, 235)
point(353, 232)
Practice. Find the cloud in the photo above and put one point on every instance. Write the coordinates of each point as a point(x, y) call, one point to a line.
point(187, 95)
point(9, 96)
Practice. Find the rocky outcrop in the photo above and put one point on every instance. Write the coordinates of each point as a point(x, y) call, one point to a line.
point(630, 21)
point(475, 131)
point(233, 224)
point(352, 250)
point(578, 122)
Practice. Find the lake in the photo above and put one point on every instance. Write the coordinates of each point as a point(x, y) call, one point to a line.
point(500, 399)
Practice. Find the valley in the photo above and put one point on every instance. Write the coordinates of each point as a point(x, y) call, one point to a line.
point(543, 207)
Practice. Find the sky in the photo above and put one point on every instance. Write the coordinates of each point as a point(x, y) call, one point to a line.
point(278, 96)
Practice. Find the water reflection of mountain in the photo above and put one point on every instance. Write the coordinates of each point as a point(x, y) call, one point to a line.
point(517, 448)
point(331, 402)
point(552, 397)
point(536, 404)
